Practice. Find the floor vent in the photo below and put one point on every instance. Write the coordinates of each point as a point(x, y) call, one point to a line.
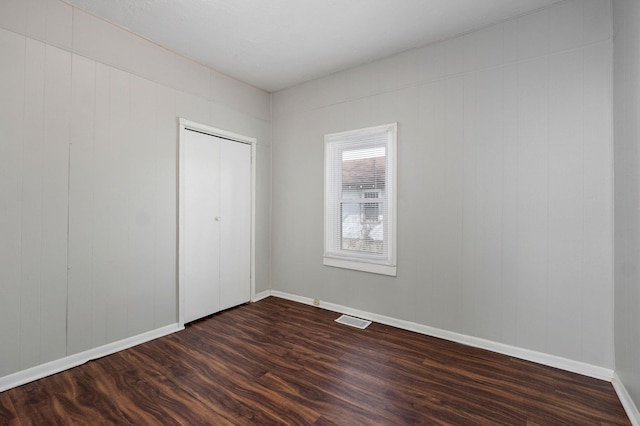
point(353, 322)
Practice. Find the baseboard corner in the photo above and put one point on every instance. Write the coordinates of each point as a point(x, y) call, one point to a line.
point(627, 402)
point(262, 295)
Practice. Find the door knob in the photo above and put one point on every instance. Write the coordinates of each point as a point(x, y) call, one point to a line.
point(217, 218)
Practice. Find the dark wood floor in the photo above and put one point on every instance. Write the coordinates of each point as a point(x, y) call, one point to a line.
point(280, 362)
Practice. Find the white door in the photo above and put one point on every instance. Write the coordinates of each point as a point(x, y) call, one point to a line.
point(235, 224)
point(216, 223)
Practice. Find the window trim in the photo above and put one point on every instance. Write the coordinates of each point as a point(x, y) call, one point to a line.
point(342, 258)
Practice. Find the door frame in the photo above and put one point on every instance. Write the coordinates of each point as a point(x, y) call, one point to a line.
point(184, 126)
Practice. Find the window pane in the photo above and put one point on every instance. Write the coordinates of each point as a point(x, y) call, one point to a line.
point(363, 177)
point(362, 227)
point(363, 169)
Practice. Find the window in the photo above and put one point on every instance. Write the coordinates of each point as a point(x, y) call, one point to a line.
point(360, 199)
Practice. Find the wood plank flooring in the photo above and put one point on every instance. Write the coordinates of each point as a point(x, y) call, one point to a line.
point(280, 362)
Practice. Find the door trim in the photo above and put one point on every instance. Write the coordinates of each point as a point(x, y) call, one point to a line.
point(184, 126)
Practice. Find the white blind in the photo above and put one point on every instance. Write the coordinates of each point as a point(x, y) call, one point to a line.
point(358, 186)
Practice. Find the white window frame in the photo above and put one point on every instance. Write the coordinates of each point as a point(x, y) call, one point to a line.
point(336, 256)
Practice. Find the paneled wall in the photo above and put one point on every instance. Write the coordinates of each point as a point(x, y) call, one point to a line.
point(34, 164)
point(505, 183)
point(88, 143)
point(626, 109)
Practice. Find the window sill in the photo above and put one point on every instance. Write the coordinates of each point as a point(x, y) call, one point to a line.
point(374, 268)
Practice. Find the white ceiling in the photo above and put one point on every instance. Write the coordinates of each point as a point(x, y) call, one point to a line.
point(275, 44)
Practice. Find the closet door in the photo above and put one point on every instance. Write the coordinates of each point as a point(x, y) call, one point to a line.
point(200, 261)
point(235, 221)
point(215, 258)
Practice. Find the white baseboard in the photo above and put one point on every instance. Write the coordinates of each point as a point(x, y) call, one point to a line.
point(627, 402)
point(262, 295)
point(56, 366)
point(514, 351)
point(47, 369)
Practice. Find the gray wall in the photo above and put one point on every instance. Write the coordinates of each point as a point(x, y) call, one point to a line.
point(88, 128)
point(505, 183)
point(626, 108)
